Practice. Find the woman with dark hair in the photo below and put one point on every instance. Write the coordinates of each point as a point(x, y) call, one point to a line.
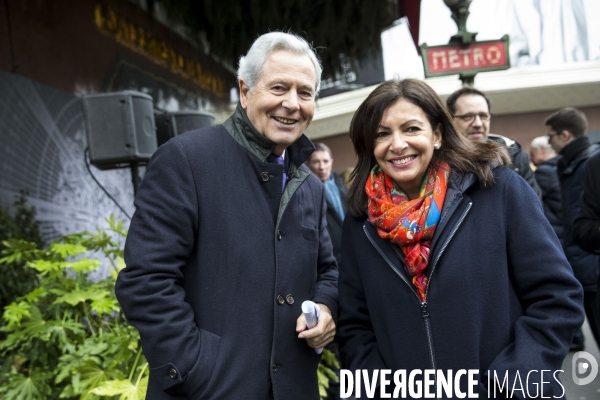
point(450, 263)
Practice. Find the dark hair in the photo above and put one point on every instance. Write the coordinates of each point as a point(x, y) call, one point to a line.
point(466, 90)
point(568, 119)
point(456, 150)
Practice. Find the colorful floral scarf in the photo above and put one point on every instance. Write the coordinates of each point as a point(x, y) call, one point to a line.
point(409, 223)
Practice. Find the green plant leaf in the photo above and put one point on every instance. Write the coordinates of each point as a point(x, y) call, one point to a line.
point(46, 267)
point(82, 295)
point(35, 294)
point(67, 249)
point(124, 388)
point(22, 387)
point(116, 226)
point(34, 327)
point(15, 312)
point(84, 266)
point(105, 306)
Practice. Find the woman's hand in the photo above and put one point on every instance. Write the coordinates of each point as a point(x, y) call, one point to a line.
point(321, 334)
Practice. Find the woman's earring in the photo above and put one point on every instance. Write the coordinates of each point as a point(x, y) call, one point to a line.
point(437, 146)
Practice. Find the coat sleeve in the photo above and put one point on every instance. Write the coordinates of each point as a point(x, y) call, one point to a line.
point(549, 295)
point(325, 290)
point(521, 161)
point(586, 229)
point(358, 344)
point(547, 179)
point(150, 288)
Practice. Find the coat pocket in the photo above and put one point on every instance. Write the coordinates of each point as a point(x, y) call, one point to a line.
point(310, 234)
point(197, 380)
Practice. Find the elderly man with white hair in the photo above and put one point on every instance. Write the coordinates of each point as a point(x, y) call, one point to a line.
point(229, 238)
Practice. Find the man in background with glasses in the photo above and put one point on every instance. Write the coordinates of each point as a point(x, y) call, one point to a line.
point(567, 134)
point(471, 110)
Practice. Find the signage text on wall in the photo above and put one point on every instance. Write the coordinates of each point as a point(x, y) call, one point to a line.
point(473, 57)
point(143, 42)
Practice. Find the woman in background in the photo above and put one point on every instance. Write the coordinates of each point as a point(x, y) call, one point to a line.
point(450, 262)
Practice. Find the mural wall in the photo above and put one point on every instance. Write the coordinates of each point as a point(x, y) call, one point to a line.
point(42, 148)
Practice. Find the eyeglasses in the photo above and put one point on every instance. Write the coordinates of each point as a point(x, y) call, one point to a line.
point(471, 117)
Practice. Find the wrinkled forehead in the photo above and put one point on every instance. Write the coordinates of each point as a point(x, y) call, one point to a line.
point(471, 103)
point(286, 64)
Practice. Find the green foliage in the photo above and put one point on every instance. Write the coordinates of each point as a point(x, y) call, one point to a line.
point(326, 373)
point(67, 338)
point(22, 227)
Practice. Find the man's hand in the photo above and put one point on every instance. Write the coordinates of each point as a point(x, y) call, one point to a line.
point(321, 334)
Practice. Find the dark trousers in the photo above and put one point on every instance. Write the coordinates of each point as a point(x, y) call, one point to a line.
point(591, 304)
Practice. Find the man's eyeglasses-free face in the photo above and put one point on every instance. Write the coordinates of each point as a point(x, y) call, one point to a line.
point(471, 117)
point(550, 135)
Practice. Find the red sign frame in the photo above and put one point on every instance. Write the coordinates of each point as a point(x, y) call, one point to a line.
point(471, 58)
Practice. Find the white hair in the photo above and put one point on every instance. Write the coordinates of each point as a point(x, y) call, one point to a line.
point(541, 142)
point(250, 66)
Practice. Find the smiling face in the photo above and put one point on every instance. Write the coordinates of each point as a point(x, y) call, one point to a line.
point(475, 130)
point(282, 103)
point(404, 145)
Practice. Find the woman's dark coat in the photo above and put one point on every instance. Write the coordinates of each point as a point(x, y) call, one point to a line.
point(219, 263)
point(501, 295)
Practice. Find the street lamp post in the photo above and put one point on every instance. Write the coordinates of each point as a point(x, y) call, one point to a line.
point(463, 54)
point(460, 13)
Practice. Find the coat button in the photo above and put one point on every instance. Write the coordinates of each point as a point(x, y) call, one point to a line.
point(173, 373)
point(275, 367)
point(280, 299)
point(278, 235)
point(290, 299)
point(264, 176)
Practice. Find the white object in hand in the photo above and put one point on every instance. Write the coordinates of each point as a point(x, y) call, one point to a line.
point(311, 312)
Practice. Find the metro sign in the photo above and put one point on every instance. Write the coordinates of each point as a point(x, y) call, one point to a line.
point(471, 58)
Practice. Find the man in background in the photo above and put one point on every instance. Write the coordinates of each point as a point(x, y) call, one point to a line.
point(586, 229)
point(321, 164)
point(544, 157)
point(471, 110)
point(567, 135)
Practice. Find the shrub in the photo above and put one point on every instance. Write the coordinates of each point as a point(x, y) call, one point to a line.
point(68, 338)
point(17, 279)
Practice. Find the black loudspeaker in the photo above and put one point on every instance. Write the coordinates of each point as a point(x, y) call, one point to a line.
point(120, 128)
point(171, 124)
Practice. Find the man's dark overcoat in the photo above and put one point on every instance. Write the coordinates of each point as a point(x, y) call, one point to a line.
point(571, 174)
point(219, 262)
point(586, 229)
